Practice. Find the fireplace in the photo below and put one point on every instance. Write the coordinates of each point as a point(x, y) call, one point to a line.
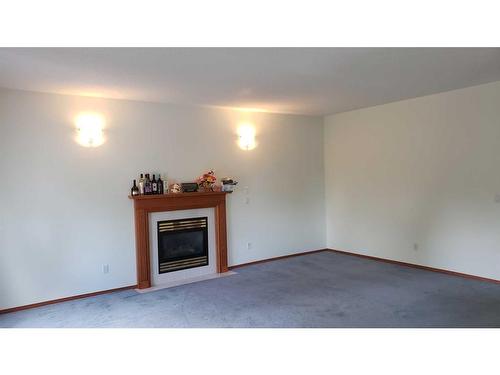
point(182, 244)
point(146, 206)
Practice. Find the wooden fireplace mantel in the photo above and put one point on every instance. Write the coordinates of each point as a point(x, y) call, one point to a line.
point(145, 204)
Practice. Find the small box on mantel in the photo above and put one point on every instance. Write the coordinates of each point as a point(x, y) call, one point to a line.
point(189, 187)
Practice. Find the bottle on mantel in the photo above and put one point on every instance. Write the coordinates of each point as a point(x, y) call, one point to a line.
point(141, 184)
point(160, 185)
point(154, 185)
point(147, 185)
point(135, 190)
point(165, 185)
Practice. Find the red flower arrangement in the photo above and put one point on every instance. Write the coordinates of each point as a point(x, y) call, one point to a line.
point(207, 181)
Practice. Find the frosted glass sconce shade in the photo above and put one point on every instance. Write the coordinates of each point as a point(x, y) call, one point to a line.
point(90, 129)
point(246, 137)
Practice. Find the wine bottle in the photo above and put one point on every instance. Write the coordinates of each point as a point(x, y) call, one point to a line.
point(154, 185)
point(141, 184)
point(135, 190)
point(160, 185)
point(147, 185)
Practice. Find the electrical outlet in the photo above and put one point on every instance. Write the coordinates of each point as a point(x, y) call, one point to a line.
point(105, 268)
point(497, 198)
point(249, 245)
point(415, 246)
point(247, 200)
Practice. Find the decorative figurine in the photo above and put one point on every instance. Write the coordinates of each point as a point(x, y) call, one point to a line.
point(175, 188)
point(228, 184)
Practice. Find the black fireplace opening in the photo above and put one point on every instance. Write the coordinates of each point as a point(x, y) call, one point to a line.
point(182, 244)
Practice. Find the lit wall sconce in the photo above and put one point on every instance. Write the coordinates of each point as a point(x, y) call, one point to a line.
point(246, 137)
point(90, 129)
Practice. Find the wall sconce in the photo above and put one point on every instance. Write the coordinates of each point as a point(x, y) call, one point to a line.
point(90, 129)
point(246, 137)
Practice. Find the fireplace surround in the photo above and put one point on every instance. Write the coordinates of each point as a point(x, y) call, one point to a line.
point(146, 204)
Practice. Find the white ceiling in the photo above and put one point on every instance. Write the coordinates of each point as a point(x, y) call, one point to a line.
point(314, 81)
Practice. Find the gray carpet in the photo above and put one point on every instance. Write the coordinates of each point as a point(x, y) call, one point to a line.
point(316, 290)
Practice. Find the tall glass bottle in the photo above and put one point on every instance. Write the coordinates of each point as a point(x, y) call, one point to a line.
point(154, 185)
point(165, 185)
point(160, 184)
point(135, 190)
point(147, 185)
point(141, 184)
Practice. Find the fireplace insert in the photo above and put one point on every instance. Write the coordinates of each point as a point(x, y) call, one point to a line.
point(182, 244)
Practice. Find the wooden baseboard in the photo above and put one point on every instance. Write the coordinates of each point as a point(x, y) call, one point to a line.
point(447, 272)
point(44, 303)
point(385, 260)
point(277, 258)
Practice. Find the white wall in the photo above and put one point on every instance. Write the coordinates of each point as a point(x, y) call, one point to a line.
point(423, 171)
point(64, 208)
